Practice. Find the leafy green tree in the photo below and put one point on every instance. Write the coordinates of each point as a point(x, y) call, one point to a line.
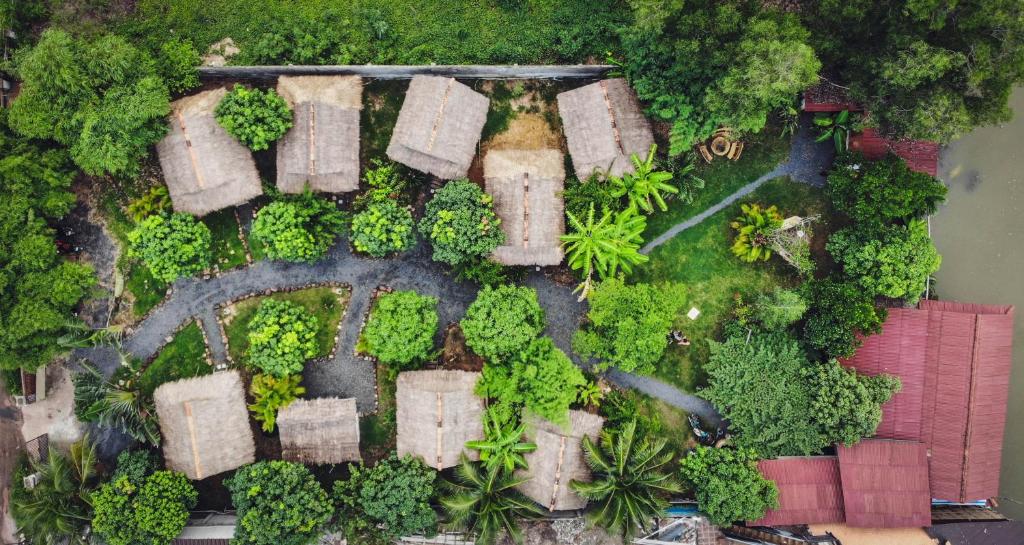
point(255, 117)
point(502, 321)
point(401, 328)
point(877, 193)
point(461, 224)
point(389, 500)
point(384, 183)
point(42, 175)
point(606, 246)
point(100, 97)
point(847, 405)
point(728, 485)
point(134, 465)
point(540, 378)
point(837, 313)
point(278, 503)
point(643, 187)
point(630, 480)
point(282, 336)
point(382, 229)
point(483, 500)
point(754, 227)
point(153, 512)
point(758, 387)
point(299, 228)
point(627, 325)
point(178, 63)
point(271, 394)
point(893, 262)
point(503, 444)
point(172, 246)
point(779, 308)
point(57, 510)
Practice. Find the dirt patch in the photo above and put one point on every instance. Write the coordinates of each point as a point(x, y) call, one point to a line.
point(10, 449)
point(456, 355)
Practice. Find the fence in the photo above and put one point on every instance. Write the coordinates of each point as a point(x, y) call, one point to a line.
point(38, 448)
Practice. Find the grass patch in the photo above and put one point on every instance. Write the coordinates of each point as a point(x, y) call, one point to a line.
point(761, 153)
point(147, 292)
point(501, 112)
point(226, 248)
point(377, 432)
point(324, 302)
point(658, 418)
point(380, 113)
point(183, 357)
point(700, 258)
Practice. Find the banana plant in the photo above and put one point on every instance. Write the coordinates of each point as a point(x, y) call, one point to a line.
point(272, 394)
point(644, 186)
point(502, 446)
point(837, 128)
point(753, 232)
point(605, 246)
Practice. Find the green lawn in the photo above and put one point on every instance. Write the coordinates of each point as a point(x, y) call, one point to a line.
point(227, 249)
point(183, 357)
point(761, 153)
point(700, 258)
point(377, 431)
point(325, 302)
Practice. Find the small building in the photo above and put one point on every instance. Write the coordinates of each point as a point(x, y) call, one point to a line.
point(558, 460)
point(438, 127)
point(322, 147)
point(920, 155)
point(205, 168)
point(604, 127)
point(205, 424)
point(527, 189)
point(885, 484)
point(810, 491)
point(320, 431)
point(437, 413)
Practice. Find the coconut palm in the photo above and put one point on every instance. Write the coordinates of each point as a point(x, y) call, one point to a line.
point(57, 508)
point(754, 230)
point(116, 403)
point(483, 500)
point(605, 246)
point(630, 482)
point(503, 445)
point(643, 186)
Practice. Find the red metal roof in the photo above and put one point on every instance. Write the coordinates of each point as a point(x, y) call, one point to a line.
point(954, 362)
point(885, 484)
point(809, 490)
point(920, 156)
point(827, 97)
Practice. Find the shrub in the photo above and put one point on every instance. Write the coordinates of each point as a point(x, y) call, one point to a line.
point(172, 246)
point(177, 62)
point(728, 485)
point(627, 325)
point(278, 503)
point(298, 228)
point(876, 193)
point(383, 228)
point(848, 406)
point(779, 309)
point(389, 500)
point(502, 321)
point(754, 228)
point(540, 378)
point(271, 394)
point(282, 336)
point(580, 194)
point(156, 201)
point(461, 224)
point(384, 183)
point(153, 512)
point(893, 262)
point(401, 328)
point(255, 117)
point(838, 313)
point(134, 465)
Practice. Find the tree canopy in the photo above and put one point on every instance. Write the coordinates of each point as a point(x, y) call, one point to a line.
point(846, 405)
point(894, 261)
point(502, 321)
point(282, 336)
point(540, 378)
point(152, 511)
point(877, 193)
point(461, 224)
point(386, 501)
point(401, 328)
point(728, 485)
point(278, 503)
point(838, 312)
point(298, 228)
point(172, 246)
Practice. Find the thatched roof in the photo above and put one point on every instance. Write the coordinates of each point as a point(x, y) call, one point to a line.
point(527, 190)
point(205, 424)
point(603, 127)
point(438, 127)
point(559, 460)
point(204, 167)
point(319, 431)
point(437, 413)
point(322, 147)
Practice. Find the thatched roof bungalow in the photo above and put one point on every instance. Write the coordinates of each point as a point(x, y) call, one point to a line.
point(437, 412)
point(604, 127)
point(204, 167)
point(558, 460)
point(320, 431)
point(322, 147)
point(205, 424)
point(438, 127)
point(527, 189)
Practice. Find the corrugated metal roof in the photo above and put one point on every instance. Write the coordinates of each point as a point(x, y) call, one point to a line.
point(920, 155)
point(809, 490)
point(885, 484)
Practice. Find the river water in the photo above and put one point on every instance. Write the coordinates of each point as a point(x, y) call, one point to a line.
point(980, 234)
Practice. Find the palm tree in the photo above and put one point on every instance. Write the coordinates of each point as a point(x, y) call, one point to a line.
point(754, 230)
point(644, 185)
point(57, 508)
point(117, 404)
point(503, 445)
point(485, 501)
point(629, 479)
point(605, 246)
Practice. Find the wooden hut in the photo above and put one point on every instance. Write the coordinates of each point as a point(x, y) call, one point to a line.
point(437, 413)
point(204, 167)
point(438, 127)
point(527, 189)
point(558, 460)
point(205, 424)
point(320, 431)
point(604, 127)
point(322, 147)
